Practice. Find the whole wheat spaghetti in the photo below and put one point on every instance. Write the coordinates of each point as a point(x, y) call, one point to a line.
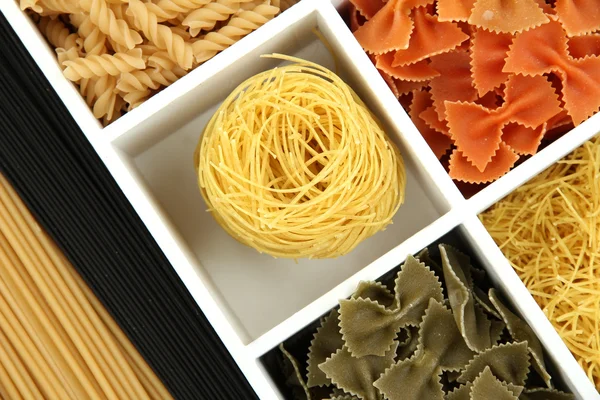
point(549, 229)
point(56, 339)
point(294, 165)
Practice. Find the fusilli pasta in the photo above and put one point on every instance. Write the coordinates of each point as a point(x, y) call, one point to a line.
point(105, 88)
point(161, 35)
point(238, 27)
point(117, 29)
point(151, 78)
point(206, 18)
point(58, 34)
point(94, 41)
point(52, 7)
point(105, 64)
point(120, 52)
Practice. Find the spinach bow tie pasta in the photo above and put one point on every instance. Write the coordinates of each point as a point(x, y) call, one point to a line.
point(294, 165)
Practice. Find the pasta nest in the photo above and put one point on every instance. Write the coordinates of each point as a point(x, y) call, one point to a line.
point(295, 165)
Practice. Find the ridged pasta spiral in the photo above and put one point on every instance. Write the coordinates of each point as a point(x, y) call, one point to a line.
point(94, 41)
point(178, 49)
point(58, 34)
point(105, 88)
point(31, 5)
point(105, 64)
point(177, 7)
point(150, 78)
point(206, 18)
point(295, 165)
point(136, 98)
point(238, 27)
point(117, 29)
point(52, 7)
point(64, 55)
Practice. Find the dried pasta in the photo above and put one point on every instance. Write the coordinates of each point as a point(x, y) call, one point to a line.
point(466, 56)
point(56, 339)
point(294, 165)
point(548, 230)
point(421, 340)
point(146, 46)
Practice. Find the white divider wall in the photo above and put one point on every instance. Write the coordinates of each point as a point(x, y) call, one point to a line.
point(121, 144)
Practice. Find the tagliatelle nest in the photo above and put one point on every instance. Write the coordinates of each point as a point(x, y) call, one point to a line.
point(294, 165)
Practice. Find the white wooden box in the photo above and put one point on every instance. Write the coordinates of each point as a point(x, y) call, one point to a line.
point(254, 301)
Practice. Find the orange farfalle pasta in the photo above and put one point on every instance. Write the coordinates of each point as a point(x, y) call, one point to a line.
point(356, 20)
point(429, 38)
point(488, 52)
point(390, 29)
point(508, 16)
point(485, 81)
point(523, 140)
point(578, 17)
point(454, 83)
point(429, 115)
point(477, 131)
point(455, 10)
point(438, 142)
point(391, 82)
point(368, 8)
point(584, 46)
point(405, 87)
point(502, 161)
point(418, 72)
point(543, 50)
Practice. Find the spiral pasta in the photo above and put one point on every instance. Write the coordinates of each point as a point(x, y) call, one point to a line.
point(58, 35)
point(117, 29)
point(151, 78)
point(294, 165)
point(105, 88)
point(179, 50)
point(206, 18)
point(145, 45)
point(94, 41)
point(105, 64)
point(52, 7)
point(238, 27)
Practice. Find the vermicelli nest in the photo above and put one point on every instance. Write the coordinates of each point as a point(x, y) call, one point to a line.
point(294, 165)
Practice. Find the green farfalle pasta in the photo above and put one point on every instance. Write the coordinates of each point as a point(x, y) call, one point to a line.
point(508, 362)
point(375, 291)
point(441, 347)
point(294, 376)
point(416, 342)
point(369, 328)
point(522, 332)
point(470, 318)
point(486, 387)
point(409, 346)
point(327, 340)
point(355, 375)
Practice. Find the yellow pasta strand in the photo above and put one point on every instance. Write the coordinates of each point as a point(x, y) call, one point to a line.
point(294, 165)
point(56, 340)
point(549, 230)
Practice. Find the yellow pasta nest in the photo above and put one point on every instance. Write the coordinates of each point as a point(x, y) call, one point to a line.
point(294, 165)
point(549, 229)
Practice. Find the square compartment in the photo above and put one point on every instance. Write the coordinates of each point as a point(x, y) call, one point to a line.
point(459, 238)
point(156, 143)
